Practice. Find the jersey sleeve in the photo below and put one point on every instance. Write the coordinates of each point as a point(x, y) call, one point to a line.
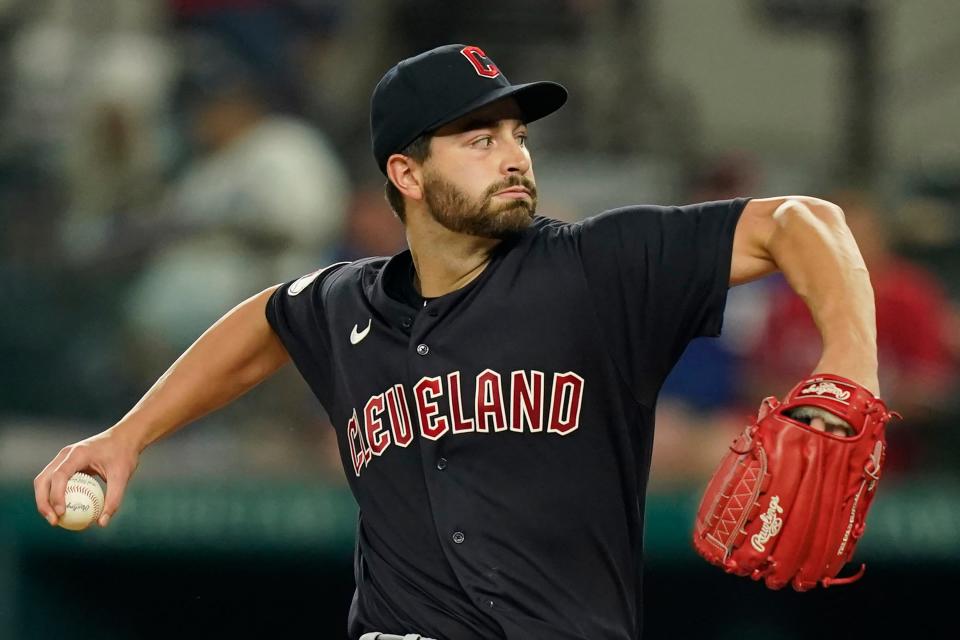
point(659, 278)
point(296, 313)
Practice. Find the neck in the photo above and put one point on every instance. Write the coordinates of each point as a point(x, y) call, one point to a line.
point(445, 260)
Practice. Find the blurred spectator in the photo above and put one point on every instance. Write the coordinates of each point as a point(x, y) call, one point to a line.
point(262, 202)
point(44, 57)
point(117, 154)
point(917, 369)
point(48, 55)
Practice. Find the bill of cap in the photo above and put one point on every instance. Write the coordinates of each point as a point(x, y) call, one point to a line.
point(535, 99)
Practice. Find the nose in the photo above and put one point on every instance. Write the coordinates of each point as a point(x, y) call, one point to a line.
point(516, 159)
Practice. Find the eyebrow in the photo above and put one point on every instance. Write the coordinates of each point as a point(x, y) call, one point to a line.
point(484, 123)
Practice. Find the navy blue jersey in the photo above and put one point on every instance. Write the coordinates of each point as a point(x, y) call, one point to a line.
point(497, 439)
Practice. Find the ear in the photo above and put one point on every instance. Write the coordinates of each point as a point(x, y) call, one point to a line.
point(406, 176)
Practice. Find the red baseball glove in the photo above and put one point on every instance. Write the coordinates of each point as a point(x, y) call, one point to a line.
point(788, 501)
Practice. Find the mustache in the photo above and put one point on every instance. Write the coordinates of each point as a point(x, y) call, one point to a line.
point(512, 181)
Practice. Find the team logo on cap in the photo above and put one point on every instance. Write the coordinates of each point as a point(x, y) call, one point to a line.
point(483, 65)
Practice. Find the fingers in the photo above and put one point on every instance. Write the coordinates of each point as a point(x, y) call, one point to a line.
point(116, 487)
point(822, 420)
point(833, 428)
point(74, 461)
point(42, 484)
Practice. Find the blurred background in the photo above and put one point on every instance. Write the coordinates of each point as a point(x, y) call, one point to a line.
point(162, 160)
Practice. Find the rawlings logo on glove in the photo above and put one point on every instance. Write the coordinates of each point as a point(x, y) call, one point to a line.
point(798, 494)
point(771, 524)
point(825, 388)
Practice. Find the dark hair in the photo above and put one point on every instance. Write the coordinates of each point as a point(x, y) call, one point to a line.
point(418, 150)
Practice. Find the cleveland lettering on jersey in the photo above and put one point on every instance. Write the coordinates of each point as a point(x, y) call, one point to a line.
point(526, 405)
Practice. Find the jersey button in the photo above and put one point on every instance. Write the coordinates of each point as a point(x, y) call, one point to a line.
point(442, 464)
point(458, 537)
point(423, 349)
point(406, 323)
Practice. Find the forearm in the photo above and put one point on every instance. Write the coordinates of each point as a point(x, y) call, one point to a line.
point(819, 257)
point(231, 357)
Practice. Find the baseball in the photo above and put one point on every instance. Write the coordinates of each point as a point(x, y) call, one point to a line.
point(84, 499)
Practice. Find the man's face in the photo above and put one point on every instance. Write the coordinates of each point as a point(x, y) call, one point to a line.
point(478, 179)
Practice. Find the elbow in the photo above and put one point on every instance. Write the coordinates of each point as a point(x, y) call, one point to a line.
point(803, 217)
point(799, 218)
point(805, 214)
point(810, 207)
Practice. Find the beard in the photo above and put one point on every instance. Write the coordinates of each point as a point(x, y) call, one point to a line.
point(482, 217)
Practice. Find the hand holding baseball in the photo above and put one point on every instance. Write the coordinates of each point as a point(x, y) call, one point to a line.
point(106, 455)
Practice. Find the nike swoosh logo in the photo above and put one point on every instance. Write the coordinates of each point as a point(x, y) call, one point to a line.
point(357, 336)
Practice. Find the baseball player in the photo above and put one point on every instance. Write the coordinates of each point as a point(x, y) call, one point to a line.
point(493, 387)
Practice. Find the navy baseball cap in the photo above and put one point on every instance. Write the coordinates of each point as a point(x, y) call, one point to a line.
point(429, 90)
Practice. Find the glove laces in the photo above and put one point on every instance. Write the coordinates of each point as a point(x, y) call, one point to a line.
point(829, 582)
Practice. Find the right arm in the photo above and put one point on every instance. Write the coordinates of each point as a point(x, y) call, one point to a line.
point(235, 354)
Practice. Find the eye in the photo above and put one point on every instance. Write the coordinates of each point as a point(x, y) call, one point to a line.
point(483, 142)
point(522, 139)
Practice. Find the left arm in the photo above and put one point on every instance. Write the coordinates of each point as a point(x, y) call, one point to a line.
point(809, 241)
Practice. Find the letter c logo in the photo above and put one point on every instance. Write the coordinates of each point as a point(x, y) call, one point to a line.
point(483, 65)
